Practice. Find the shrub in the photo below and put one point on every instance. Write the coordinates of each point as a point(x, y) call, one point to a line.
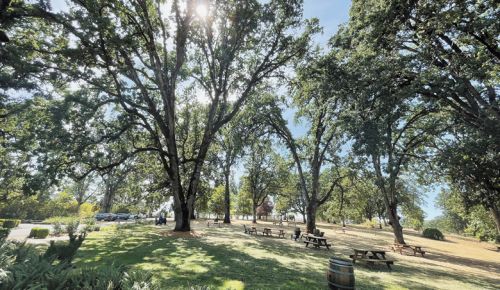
point(90, 221)
point(88, 228)
point(72, 228)
point(90, 225)
point(10, 224)
point(434, 234)
point(4, 233)
point(87, 210)
point(23, 268)
point(114, 277)
point(63, 250)
point(57, 229)
point(39, 233)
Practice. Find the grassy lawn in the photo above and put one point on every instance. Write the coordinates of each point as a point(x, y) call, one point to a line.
point(226, 258)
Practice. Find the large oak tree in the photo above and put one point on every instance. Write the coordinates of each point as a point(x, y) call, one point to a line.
point(142, 61)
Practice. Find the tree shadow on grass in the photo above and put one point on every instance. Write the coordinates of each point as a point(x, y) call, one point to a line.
point(228, 256)
point(377, 283)
point(422, 274)
point(466, 262)
point(400, 269)
point(179, 262)
point(409, 277)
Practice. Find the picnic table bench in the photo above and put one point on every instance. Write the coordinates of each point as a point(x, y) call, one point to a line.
point(316, 241)
point(267, 232)
point(371, 257)
point(250, 230)
point(219, 224)
point(401, 247)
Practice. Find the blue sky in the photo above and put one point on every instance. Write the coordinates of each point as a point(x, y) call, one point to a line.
point(331, 13)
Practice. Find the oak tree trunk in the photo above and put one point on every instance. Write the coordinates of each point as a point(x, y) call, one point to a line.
point(254, 213)
point(107, 200)
point(392, 214)
point(182, 217)
point(227, 200)
point(182, 212)
point(191, 207)
point(311, 218)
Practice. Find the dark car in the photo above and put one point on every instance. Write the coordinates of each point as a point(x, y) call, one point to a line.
point(111, 217)
point(122, 216)
point(104, 216)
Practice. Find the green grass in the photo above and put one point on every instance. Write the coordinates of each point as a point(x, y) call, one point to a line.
point(226, 258)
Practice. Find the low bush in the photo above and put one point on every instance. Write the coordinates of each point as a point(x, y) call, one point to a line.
point(39, 233)
point(434, 234)
point(90, 225)
point(4, 233)
point(64, 251)
point(57, 229)
point(72, 228)
point(88, 228)
point(10, 223)
point(23, 268)
point(114, 277)
point(89, 221)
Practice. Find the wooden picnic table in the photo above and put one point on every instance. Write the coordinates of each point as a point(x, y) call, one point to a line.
point(266, 231)
point(371, 256)
point(400, 247)
point(304, 235)
point(281, 233)
point(316, 241)
point(251, 230)
point(219, 224)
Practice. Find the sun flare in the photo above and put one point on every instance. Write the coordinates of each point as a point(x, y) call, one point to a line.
point(202, 11)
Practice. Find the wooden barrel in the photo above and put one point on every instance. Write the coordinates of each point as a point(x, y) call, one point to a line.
point(340, 274)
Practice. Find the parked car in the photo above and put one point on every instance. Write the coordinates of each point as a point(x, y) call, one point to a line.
point(122, 216)
point(105, 216)
point(111, 217)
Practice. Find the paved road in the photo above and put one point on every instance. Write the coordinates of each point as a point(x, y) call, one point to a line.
point(23, 230)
